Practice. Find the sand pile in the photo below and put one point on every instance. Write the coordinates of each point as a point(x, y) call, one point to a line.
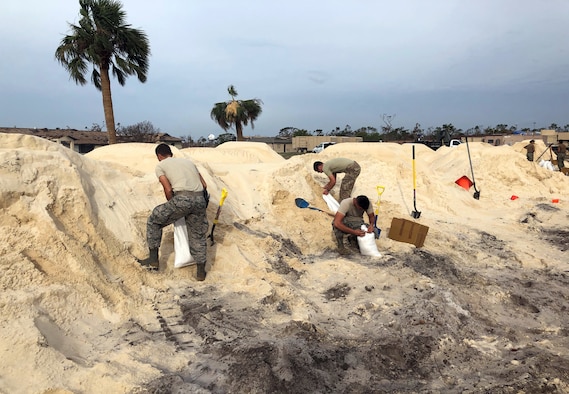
point(480, 307)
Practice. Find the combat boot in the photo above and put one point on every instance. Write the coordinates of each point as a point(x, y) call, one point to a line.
point(200, 274)
point(342, 250)
point(353, 241)
point(151, 261)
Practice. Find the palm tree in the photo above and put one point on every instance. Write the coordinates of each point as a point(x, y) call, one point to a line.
point(103, 39)
point(236, 112)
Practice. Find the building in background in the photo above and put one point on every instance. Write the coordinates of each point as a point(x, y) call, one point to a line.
point(84, 141)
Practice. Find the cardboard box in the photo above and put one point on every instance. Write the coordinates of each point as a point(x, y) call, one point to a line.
point(404, 230)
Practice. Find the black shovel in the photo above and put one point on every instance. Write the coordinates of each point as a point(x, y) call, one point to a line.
point(416, 214)
point(302, 203)
point(476, 191)
point(221, 201)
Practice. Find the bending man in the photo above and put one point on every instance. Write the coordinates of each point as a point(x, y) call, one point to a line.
point(185, 190)
point(332, 167)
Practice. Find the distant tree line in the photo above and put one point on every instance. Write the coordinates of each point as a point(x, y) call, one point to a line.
point(146, 132)
point(390, 133)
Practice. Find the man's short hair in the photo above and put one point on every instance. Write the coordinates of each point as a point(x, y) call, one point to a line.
point(164, 150)
point(363, 202)
point(316, 165)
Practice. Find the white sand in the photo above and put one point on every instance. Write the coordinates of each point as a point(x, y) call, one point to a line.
point(79, 315)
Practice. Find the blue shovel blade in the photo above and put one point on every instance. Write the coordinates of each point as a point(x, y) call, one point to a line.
point(377, 232)
point(301, 203)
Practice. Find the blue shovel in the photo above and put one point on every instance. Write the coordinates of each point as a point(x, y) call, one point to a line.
point(302, 203)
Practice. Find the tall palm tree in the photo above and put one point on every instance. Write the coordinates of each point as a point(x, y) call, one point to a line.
point(236, 113)
point(102, 38)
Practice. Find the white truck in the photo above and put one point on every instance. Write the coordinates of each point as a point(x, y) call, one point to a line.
point(321, 146)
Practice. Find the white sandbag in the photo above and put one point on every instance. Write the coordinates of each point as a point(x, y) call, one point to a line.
point(333, 205)
point(547, 164)
point(367, 244)
point(182, 255)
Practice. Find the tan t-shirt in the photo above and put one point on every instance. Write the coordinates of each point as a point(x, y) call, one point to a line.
point(182, 174)
point(348, 208)
point(336, 165)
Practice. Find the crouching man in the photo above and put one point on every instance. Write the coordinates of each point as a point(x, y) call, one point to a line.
point(184, 189)
point(349, 219)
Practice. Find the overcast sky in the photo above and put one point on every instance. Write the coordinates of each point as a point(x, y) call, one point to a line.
point(314, 64)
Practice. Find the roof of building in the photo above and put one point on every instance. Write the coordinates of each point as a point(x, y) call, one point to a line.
point(79, 137)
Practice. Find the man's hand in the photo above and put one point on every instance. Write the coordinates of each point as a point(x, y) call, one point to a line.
point(359, 233)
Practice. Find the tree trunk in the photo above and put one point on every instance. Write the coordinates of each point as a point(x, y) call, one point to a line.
point(108, 105)
point(239, 131)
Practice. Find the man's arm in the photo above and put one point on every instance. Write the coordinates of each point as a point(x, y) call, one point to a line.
point(330, 185)
point(339, 224)
point(371, 217)
point(202, 181)
point(167, 187)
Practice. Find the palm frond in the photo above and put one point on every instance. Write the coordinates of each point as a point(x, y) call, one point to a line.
point(104, 39)
point(236, 113)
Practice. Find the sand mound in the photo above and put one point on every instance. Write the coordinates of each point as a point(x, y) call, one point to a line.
point(480, 307)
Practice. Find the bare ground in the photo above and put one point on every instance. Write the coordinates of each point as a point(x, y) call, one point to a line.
point(474, 322)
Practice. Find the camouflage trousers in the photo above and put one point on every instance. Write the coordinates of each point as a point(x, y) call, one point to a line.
point(561, 160)
point(193, 208)
point(351, 174)
point(352, 222)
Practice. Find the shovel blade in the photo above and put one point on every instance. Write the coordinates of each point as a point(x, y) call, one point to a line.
point(301, 203)
point(416, 214)
point(376, 232)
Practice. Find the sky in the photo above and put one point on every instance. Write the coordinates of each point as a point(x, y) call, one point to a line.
point(314, 64)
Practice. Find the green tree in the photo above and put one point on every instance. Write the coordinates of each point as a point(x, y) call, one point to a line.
point(501, 128)
point(139, 132)
point(287, 132)
point(346, 132)
point(102, 38)
point(301, 132)
point(236, 113)
point(368, 134)
point(417, 132)
point(187, 141)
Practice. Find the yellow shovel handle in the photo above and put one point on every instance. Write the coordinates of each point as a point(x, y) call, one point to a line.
point(223, 196)
point(380, 190)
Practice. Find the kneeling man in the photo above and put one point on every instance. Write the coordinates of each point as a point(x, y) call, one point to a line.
point(349, 219)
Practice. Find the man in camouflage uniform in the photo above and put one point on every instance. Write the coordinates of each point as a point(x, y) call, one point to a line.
point(561, 155)
point(185, 190)
point(331, 168)
point(349, 219)
point(530, 148)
